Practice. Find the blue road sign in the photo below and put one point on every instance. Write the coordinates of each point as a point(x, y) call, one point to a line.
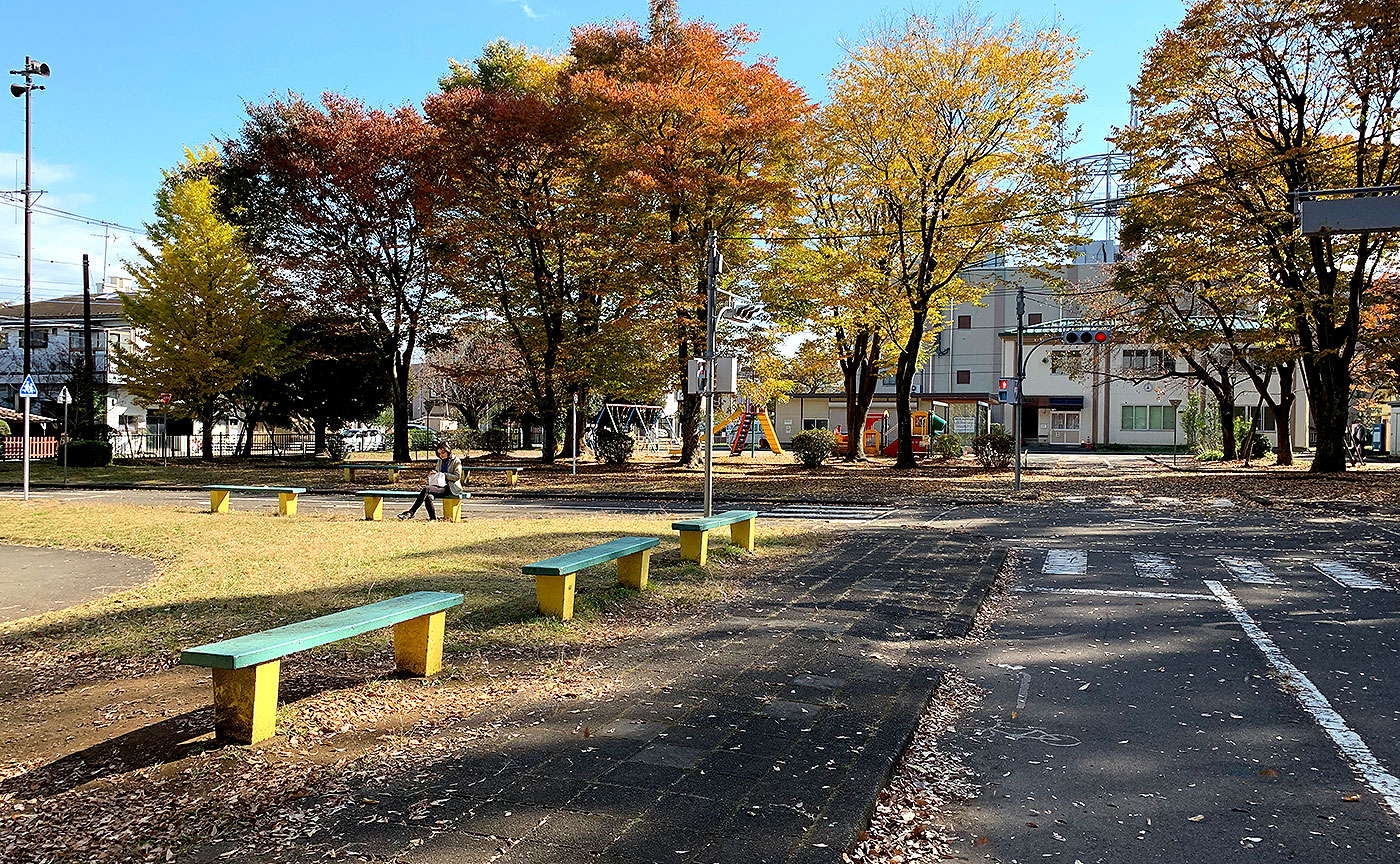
point(27, 390)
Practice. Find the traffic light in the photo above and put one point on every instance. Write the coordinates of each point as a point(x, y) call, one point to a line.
point(1087, 337)
point(1006, 390)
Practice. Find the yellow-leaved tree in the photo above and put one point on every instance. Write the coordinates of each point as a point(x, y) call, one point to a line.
point(956, 129)
point(204, 327)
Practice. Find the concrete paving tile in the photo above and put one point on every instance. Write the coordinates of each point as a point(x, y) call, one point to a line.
point(531, 852)
point(458, 848)
point(659, 844)
point(670, 755)
point(612, 800)
point(736, 764)
point(541, 790)
point(504, 819)
point(643, 775)
point(690, 735)
point(585, 832)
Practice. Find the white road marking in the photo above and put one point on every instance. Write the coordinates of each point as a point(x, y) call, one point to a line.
point(1162, 499)
point(1119, 501)
point(1065, 562)
point(1351, 745)
point(1348, 576)
point(1221, 502)
point(1249, 570)
point(1151, 565)
point(1022, 694)
point(830, 513)
point(1106, 592)
point(1075, 499)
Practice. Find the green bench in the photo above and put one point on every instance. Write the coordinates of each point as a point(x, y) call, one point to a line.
point(512, 474)
point(374, 503)
point(554, 577)
point(351, 467)
point(246, 668)
point(695, 533)
point(286, 497)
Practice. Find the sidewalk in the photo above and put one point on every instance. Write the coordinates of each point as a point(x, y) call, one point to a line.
point(34, 580)
point(763, 736)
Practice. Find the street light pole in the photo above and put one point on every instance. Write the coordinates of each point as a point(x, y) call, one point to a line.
point(711, 270)
point(31, 68)
point(1176, 424)
point(1020, 374)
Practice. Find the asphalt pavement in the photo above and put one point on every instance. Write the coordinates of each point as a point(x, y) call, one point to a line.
point(1185, 682)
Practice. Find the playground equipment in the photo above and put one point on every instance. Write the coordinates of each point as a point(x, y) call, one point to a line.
point(923, 425)
point(654, 421)
point(750, 416)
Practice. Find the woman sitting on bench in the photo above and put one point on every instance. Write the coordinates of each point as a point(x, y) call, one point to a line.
point(445, 480)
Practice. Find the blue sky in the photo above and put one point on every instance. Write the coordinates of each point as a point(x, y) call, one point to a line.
point(134, 83)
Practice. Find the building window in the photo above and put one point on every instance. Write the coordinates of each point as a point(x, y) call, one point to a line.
point(964, 322)
point(964, 376)
point(1034, 318)
point(1148, 418)
point(1266, 423)
point(1064, 362)
point(815, 423)
point(38, 337)
point(1148, 360)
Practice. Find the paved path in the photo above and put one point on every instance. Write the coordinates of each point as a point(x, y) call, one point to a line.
point(762, 736)
point(34, 580)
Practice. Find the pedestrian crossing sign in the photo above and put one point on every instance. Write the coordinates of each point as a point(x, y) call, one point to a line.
point(27, 390)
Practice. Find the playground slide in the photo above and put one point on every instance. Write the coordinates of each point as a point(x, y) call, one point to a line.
point(936, 426)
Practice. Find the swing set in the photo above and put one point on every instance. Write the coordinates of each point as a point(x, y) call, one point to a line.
point(654, 421)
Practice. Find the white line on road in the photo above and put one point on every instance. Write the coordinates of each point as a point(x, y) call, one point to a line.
point(1065, 562)
point(1151, 565)
point(1351, 745)
point(1022, 694)
point(1348, 576)
point(1105, 592)
point(1249, 570)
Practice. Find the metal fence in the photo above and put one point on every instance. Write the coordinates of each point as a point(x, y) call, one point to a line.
point(155, 446)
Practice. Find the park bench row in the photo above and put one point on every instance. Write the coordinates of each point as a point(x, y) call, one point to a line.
point(246, 668)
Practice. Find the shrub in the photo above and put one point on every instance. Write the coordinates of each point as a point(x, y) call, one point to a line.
point(1210, 456)
point(421, 439)
point(812, 447)
point(338, 448)
point(995, 449)
point(615, 447)
point(1259, 445)
point(4, 428)
point(86, 454)
point(495, 441)
point(946, 446)
point(466, 440)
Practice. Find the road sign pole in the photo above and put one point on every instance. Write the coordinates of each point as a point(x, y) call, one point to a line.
point(64, 442)
point(24, 421)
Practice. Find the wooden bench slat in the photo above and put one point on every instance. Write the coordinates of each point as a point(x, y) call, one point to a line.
point(573, 562)
point(255, 648)
point(716, 521)
point(289, 490)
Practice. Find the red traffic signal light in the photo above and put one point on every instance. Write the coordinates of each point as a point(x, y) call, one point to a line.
point(1087, 337)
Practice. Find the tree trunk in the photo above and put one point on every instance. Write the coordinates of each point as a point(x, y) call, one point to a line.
point(859, 371)
point(402, 372)
point(1329, 388)
point(905, 369)
point(1283, 413)
point(206, 443)
point(691, 419)
point(1225, 410)
point(319, 425)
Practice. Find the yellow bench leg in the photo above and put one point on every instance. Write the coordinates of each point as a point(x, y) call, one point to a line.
point(287, 503)
point(245, 702)
point(555, 595)
point(695, 546)
point(393, 475)
point(218, 501)
point(374, 508)
point(452, 509)
point(632, 569)
point(510, 478)
point(741, 534)
point(418, 644)
point(349, 474)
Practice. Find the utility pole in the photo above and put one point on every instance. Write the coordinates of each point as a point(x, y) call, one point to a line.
point(87, 407)
point(31, 68)
point(1020, 373)
point(711, 271)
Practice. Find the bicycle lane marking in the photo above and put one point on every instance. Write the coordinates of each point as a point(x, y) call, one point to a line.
point(1353, 749)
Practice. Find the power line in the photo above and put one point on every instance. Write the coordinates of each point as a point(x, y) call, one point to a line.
point(67, 214)
point(1070, 208)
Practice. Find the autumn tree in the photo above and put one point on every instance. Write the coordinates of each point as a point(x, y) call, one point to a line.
point(204, 322)
point(835, 279)
point(334, 200)
point(548, 249)
point(699, 139)
point(1244, 104)
point(956, 129)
